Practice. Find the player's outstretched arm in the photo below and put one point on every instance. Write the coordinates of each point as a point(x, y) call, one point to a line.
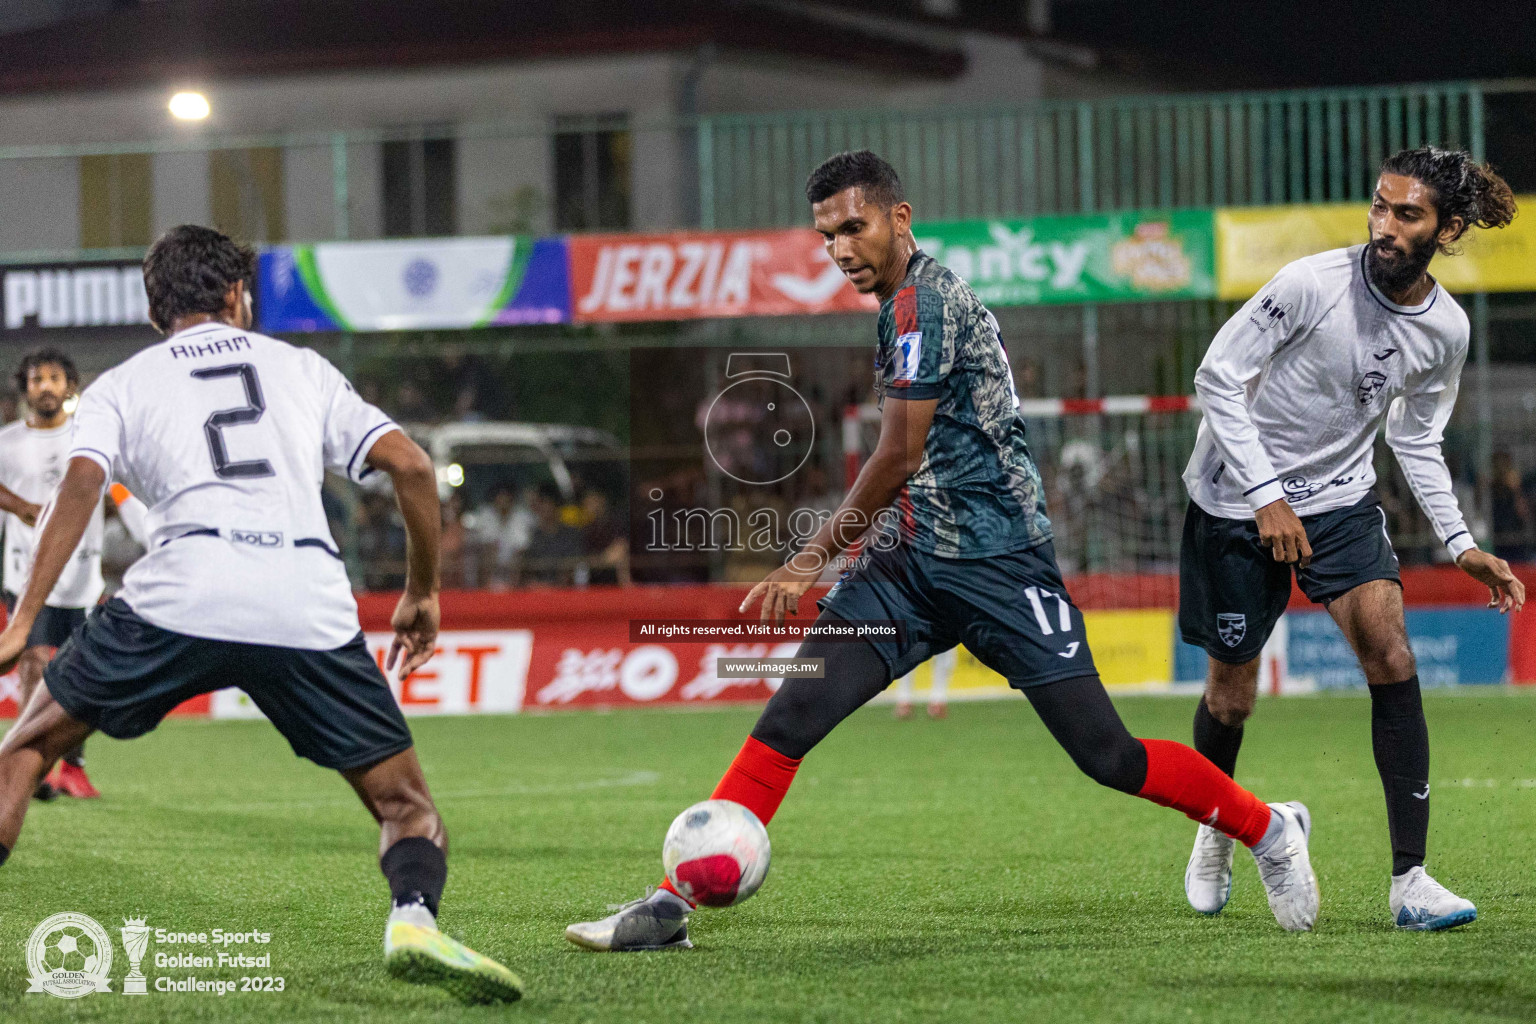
point(63, 525)
point(904, 427)
point(416, 617)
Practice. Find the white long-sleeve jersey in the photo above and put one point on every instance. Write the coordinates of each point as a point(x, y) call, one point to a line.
point(1295, 386)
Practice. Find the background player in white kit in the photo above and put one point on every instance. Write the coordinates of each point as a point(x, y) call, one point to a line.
point(226, 435)
point(33, 453)
point(942, 666)
point(1293, 390)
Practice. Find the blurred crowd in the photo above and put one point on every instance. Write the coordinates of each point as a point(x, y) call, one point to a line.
point(1115, 500)
point(1513, 510)
point(517, 538)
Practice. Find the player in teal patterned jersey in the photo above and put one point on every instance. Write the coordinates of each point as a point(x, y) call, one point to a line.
point(969, 560)
point(977, 492)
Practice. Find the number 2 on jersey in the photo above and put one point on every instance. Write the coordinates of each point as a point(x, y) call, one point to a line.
point(243, 415)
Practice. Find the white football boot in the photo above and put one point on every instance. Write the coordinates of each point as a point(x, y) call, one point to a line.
point(658, 920)
point(1421, 904)
point(1208, 878)
point(1286, 870)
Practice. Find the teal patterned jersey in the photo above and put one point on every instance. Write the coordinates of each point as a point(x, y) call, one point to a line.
point(977, 492)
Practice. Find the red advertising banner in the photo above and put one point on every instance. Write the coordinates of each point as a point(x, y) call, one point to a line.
point(541, 650)
point(715, 274)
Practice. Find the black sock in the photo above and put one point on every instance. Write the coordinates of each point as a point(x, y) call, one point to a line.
point(1400, 741)
point(417, 871)
point(76, 756)
point(5, 852)
point(1217, 741)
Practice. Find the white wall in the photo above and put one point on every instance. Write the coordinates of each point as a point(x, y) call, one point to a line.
point(491, 171)
point(39, 201)
point(365, 185)
point(308, 193)
point(39, 204)
point(180, 181)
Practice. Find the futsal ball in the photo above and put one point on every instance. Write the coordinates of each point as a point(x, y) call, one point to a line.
point(716, 853)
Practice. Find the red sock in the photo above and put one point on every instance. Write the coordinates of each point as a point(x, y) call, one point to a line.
point(758, 780)
point(1178, 777)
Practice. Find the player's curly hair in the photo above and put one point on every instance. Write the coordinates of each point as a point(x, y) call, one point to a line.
point(1463, 188)
point(188, 270)
point(46, 357)
point(863, 169)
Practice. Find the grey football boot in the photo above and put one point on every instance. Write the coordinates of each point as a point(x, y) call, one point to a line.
point(658, 920)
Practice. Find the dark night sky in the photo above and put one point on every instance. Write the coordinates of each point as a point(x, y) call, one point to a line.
point(1213, 45)
point(1233, 44)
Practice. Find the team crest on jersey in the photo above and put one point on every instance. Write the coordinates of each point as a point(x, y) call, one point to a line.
point(1370, 386)
point(1231, 627)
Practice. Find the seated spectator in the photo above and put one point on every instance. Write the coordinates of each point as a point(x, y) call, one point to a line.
point(458, 567)
point(380, 542)
point(501, 532)
point(554, 547)
point(604, 542)
point(1511, 510)
point(411, 405)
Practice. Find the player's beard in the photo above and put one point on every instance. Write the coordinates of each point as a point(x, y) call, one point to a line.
point(1398, 275)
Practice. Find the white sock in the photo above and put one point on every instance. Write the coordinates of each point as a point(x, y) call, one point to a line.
point(412, 913)
point(943, 668)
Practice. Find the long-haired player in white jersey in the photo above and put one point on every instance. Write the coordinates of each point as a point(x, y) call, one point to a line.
point(226, 435)
point(33, 453)
point(1293, 389)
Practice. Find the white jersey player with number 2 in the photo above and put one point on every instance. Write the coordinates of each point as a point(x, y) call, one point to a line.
point(227, 435)
point(214, 430)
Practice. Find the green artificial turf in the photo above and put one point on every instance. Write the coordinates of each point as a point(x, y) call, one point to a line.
point(958, 870)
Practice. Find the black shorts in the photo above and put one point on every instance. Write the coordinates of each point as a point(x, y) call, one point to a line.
point(53, 625)
point(1011, 611)
point(1232, 591)
point(122, 675)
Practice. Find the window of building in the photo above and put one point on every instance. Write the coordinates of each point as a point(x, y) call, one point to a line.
point(115, 200)
point(245, 193)
point(419, 188)
point(592, 173)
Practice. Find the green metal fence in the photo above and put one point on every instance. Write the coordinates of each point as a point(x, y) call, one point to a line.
point(1076, 156)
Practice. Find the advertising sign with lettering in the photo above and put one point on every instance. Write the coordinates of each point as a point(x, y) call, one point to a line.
point(1453, 646)
point(74, 296)
point(1130, 255)
point(716, 274)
